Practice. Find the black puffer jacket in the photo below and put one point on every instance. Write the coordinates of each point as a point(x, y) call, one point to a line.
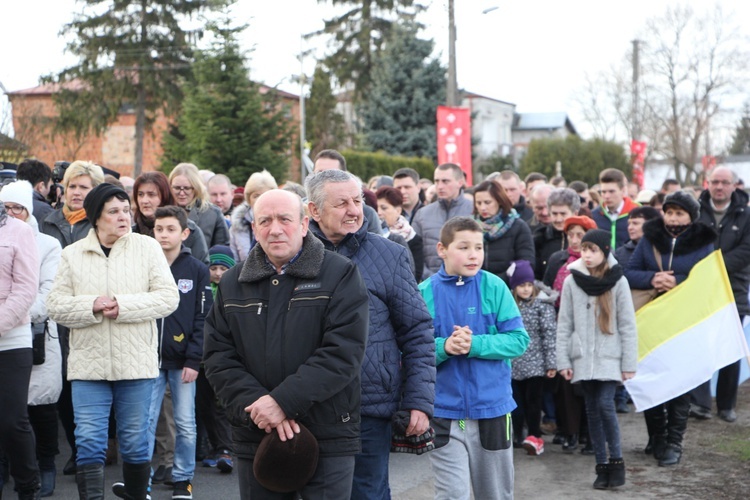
point(734, 241)
point(57, 226)
point(516, 244)
point(299, 337)
point(547, 240)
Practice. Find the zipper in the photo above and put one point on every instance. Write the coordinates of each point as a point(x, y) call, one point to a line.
point(307, 298)
point(671, 254)
point(203, 300)
point(161, 344)
point(259, 304)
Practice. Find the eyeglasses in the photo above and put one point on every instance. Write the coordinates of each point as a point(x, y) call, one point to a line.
point(15, 209)
point(720, 183)
point(182, 189)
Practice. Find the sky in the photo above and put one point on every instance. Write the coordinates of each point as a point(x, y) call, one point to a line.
point(535, 54)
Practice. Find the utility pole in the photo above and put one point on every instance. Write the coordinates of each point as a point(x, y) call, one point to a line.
point(636, 131)
point(452, 83)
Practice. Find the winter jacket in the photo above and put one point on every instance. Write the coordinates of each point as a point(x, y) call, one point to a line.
point(556, 261)
point(181, 333)
point(624, 253)
point(299, 337)
point(429, 221)
point(516, 244)
point(195, 241)
point(677, 254)
point(42, 208)
point(19, 281)
point(734, 242)
point(137, 275)
point(539, 320)
point(211, 222)
point(475, 385)
point(400, 240)
point(582, 346)
point(46, 379)
point(241, 238)
point(619, 227)
point(57, 226)
point(398, 372)
point(547, 240)
point(524, 210)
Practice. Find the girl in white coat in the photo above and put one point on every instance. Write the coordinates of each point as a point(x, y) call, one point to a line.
point(597, 346)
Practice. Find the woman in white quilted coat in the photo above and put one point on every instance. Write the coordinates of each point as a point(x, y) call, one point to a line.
point(110, 289)
point(46, 373)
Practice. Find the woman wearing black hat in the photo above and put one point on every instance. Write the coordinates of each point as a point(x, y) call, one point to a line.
point(110, 288)
point(663, 258)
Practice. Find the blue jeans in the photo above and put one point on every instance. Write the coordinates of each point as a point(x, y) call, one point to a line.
point(371, 466)
point(183, 405)
point(92, 401)
point(604, 429)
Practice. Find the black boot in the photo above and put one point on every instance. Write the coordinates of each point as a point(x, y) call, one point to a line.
point(602, 477)
point(672, 455)
point(90, 480)
point(660, 446)
point(649, 449)
point(616, 472)
point(48, 477)
point(571, 444)
point(135, 477)
point(29, 491)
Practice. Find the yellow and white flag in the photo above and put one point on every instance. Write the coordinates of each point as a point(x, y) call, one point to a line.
point(685, 335)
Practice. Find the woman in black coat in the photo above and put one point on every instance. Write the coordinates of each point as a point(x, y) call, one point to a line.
point(506, 236)
point(390, 211)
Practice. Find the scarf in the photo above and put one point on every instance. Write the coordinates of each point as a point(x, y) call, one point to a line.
point(597, 286)
point(497, 225)
point(145, 225)
point(676, 229)
point(73, 216)
point(3, 214)
point(564, 272)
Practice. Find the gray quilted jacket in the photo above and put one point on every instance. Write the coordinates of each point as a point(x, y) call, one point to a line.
point(428, 222)
point(539, 320)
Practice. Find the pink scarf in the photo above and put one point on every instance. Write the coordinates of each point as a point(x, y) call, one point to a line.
point(563, 273)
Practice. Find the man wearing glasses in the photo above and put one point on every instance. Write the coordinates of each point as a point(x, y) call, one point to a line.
point(725, 208)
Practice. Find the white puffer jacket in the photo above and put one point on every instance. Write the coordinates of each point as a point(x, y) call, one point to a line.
point(136, 273)
point(46, 379)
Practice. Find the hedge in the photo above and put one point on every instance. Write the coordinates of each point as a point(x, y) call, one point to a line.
point(365, 164)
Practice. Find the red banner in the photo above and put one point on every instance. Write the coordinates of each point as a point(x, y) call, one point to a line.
point(638, 157)
point(454, 138)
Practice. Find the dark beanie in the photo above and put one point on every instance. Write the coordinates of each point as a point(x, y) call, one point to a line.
point(685, 201)
point(644, 212)
point(94, 202)
point(520, 272)
point(286, 466)
point(600, 238)
point(221, 254)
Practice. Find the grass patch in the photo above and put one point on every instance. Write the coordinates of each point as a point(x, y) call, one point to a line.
point(737, 444)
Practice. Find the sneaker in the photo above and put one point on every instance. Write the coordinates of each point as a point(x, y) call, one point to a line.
point(622, 407)
point(533, 445)
point(209, 462)
point(118, 488)
point(159, 475)
point(224, 462)
point(700, 412)
point(182, 490)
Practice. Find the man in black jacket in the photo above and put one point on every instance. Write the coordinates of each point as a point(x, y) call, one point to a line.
point(284, 343)
point(724, 208)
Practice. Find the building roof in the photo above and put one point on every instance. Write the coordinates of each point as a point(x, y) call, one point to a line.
point(10, 143)
point(543, 121)
point(473, 95)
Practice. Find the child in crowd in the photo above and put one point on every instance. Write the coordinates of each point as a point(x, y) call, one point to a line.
point(180, 343)
point(597, 346)
point(538, 361)
point(478, 330)
point(210, 412)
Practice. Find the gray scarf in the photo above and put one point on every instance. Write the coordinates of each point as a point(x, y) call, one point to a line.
point(3, 214)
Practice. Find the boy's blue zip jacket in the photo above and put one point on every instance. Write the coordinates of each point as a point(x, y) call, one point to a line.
point(477, 385)
point(181, 333)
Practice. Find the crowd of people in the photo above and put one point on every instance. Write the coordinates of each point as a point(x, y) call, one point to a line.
point(176, 321)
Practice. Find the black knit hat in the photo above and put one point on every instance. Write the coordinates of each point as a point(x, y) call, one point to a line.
point(94, 202)
point(644, 212)
point(600, 238)
point(685, 201)
point(286, 466)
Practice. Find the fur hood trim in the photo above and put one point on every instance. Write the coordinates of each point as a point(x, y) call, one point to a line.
point(307, 266)
point(696, 236)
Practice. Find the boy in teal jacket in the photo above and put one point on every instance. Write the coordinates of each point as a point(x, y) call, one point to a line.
point(478, 330)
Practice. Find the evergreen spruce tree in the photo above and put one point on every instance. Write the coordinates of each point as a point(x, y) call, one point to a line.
point(324, 125)
point(741, 142)
point(132, 54)
point(399, 114)
point(226, 124)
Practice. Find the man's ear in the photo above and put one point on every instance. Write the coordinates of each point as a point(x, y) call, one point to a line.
point(313, 211)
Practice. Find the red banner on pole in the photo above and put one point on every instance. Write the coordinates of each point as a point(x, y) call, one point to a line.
point(454, 138)
point(638, 157)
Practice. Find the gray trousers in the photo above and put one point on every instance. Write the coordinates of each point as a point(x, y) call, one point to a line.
point(465, 463)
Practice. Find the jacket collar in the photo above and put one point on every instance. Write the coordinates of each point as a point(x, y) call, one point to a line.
point(91, 242)
point(307, 266)
point(349, 245)
point(737, 201)
point(453, 279)
point(696, 236)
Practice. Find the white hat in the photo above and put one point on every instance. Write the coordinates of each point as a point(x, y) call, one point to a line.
point(644, 196)
point(19, 192)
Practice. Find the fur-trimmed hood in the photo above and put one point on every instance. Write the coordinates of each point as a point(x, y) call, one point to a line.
point(696, 236)
point(307, 266)
point(546, 293)
point(238, 214)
